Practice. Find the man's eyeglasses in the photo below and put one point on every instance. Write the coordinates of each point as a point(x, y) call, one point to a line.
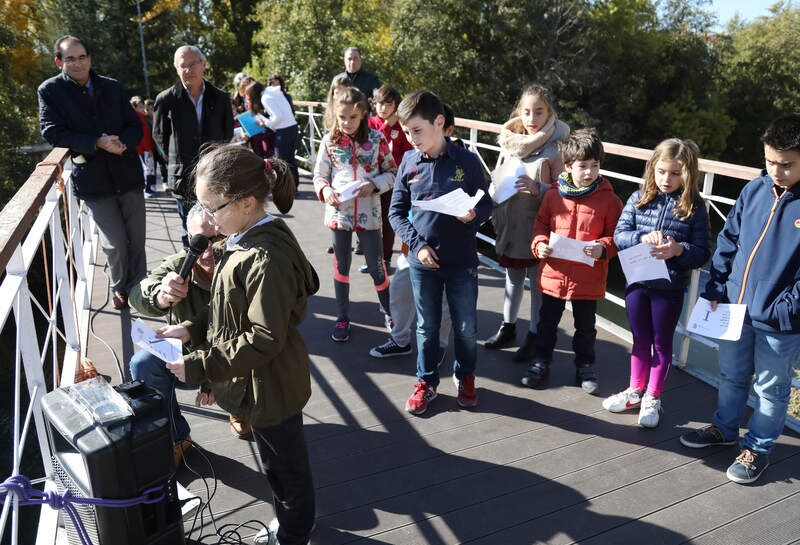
point(213, 211)
point(73, 60)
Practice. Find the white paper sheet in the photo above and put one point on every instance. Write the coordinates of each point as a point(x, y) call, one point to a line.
point(456, 203)
point(349, 191)
point(168, 350)
point(724, 323)
point(638, 265)
point(571, 249)
point(504, 179)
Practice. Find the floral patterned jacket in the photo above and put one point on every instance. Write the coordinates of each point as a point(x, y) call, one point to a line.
point(342, 163)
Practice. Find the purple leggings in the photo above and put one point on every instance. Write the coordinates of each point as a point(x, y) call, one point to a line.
point(653, 315)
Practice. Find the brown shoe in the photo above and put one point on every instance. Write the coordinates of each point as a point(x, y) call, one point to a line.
point(239, 427)
point(180, 448)
point(119, 300)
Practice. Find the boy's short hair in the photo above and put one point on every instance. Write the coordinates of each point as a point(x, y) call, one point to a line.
point(385, 94)
point(449, 116)
point(420, 103)
point(582, 145)
point(783, 134)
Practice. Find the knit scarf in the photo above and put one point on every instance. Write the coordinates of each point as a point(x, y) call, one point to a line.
point(518, 143)
point(567, 188)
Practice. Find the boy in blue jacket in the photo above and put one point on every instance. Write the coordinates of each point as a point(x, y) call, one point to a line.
point(757, 263)
point(442, 252)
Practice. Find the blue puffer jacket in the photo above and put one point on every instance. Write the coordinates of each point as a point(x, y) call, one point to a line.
point(659, 215)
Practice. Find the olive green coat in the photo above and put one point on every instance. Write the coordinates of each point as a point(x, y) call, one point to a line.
point(257, 362)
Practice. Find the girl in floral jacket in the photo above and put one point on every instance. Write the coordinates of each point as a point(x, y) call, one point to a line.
point(354, 166)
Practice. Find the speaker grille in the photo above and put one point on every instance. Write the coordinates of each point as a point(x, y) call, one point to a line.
point(86, 513)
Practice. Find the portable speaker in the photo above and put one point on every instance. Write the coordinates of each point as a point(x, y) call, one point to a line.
point(114, 444)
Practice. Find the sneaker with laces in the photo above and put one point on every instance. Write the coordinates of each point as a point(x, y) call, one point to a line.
point(628, 399)
point(390, 349)
point(467, 396)
point(650, 411)
point(747, 467)
point(341, 331)
point(705, 437)
point(421, 398)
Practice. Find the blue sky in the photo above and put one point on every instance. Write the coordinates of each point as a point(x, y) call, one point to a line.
point(747, 9)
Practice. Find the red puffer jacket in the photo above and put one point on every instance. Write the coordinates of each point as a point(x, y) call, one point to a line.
point(593, 217)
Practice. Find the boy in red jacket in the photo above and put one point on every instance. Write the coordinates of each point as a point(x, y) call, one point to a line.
point(584, 208)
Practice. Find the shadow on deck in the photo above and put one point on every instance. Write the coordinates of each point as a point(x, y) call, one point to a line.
point(526, 466)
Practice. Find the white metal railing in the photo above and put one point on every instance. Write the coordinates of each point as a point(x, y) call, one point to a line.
point(44, 218)
point(709, 169)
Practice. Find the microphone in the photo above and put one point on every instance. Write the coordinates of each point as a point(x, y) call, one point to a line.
point(197, 246)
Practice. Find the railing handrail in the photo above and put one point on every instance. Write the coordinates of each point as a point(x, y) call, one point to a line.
point(730, 170)
point(20, 212)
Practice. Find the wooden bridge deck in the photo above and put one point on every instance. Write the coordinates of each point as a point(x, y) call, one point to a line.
point(526, 466)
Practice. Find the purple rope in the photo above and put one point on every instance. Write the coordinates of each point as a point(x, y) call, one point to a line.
point(20, 486)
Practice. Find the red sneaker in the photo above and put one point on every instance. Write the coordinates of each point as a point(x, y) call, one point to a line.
point(419, 400)
point(467, 396)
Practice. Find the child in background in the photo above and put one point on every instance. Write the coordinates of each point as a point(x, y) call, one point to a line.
point(146, 148)
point(280, 118)
point(401, 296)
point(352, 152)
point(263, 143)
point(253, 355)
point(757, 263)
point(386, 99)
point(669, 214)
point(531, 136)
point(584, 208)
point(442, 248)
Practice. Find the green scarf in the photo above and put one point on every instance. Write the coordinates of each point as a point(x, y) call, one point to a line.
point(567, 188)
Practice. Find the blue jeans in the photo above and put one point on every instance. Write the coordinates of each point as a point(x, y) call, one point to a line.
point(770, 356)
point(461, 289)
point(285, 148)
point(153, 372)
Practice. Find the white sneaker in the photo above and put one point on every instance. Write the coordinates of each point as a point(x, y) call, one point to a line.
point(629, 399)
point(268, 535)
point(649, 412)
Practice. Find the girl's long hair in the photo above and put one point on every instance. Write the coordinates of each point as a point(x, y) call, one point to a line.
point(537, 91)
point(339, 84)
point(253, 93)
point(351, 96)
point(685, 152)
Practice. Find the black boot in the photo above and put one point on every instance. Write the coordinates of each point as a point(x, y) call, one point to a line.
point(536, 374)
point(527, 351)
point(505, 336)
point(586, 377)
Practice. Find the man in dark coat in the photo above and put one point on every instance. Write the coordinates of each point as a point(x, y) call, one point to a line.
point(364, 81)
point(90, 115)
point(187, 115)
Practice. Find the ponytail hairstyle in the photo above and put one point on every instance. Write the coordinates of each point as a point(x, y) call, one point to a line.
point(253, 94)
point(351, 96)
point(236, 172)
point(685, 152)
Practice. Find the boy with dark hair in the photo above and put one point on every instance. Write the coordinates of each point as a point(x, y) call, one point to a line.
point(757, 263)
point(583, 208)
point(442, 249)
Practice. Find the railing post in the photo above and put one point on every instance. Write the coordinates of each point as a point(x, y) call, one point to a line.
point(28, 346)
point(312, 151)
point(694, 284)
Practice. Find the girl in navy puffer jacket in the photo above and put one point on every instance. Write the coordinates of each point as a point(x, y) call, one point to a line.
point(669, 214)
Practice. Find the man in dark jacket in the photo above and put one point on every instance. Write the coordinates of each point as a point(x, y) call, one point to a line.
point(187, 115)
point(364, 81)
point(90, 115)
